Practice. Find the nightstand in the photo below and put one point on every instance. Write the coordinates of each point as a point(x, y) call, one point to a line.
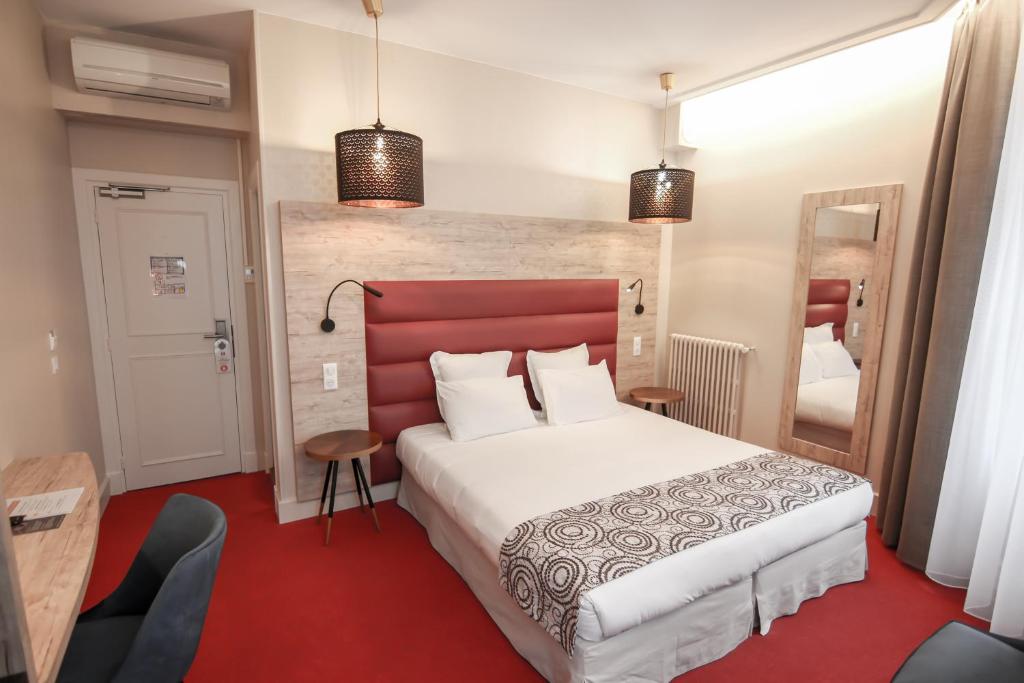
point(335, 448)
point(656, 396)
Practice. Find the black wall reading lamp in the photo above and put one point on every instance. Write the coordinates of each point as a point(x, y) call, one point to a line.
point(640, 296)
point(327, 325)
point(860, 293)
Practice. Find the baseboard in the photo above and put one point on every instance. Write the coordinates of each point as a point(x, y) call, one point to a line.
point(294, 510)
point(104, 494)
point(114, 483)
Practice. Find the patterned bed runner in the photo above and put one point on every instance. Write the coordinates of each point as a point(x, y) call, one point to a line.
point(548, 563)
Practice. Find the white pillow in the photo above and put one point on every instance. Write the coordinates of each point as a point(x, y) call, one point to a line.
point(818, 335)
point(579, 394)
point(835, 360)
point(576, 357)
point(810, 367)
point(455, 367)
point(474, 408)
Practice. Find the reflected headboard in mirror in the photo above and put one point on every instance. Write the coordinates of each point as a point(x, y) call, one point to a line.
point(847, 239)
point(828, 302)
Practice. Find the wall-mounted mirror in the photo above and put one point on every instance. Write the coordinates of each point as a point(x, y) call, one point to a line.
point(844, 263)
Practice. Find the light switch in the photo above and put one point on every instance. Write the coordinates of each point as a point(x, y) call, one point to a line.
point(636, 346)
point(856, 329)
point(54, 365)
point(330, 376)
point(53, 340)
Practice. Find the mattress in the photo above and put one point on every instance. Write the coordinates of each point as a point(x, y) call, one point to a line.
point(490, 485)
point(829, 403)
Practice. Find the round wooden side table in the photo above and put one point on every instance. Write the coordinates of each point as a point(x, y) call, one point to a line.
point(656, 395)
point(335, 447)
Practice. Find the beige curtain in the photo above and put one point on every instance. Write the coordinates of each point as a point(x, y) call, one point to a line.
point(946, 264)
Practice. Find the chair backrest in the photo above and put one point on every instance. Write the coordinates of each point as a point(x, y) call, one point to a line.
point(170, 582)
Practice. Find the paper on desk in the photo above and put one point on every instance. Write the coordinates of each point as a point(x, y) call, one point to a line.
point(45, 504)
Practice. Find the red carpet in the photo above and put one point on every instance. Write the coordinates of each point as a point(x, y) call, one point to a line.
point(387, 608)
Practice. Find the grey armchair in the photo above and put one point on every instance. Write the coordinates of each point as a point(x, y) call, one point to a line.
point(148, 629)
point(958, 653)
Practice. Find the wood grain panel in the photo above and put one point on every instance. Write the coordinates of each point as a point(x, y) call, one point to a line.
point(325, 243)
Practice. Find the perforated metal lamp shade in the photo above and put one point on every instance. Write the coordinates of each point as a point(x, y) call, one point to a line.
point(661, 195)
point(379, 167)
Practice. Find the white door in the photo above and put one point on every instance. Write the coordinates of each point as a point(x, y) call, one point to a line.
point(165, 280)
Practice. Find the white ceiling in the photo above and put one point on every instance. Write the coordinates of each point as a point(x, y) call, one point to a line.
point(612, 46)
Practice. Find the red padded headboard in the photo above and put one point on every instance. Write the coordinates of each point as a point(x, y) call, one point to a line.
point(828, 301)
point(415, 318)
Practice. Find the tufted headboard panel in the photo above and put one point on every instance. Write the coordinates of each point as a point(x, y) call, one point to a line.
point(415, 318)
point(828, 301)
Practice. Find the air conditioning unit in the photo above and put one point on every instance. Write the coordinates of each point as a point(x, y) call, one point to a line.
point(117, 70)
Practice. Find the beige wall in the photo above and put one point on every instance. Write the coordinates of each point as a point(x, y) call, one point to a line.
point(140, 150)
point(860, 117)
point(495, 142)
point(40, 271)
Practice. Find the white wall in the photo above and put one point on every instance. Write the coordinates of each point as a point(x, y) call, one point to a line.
point(864, 116)
point(495, 141)
point(40, 271)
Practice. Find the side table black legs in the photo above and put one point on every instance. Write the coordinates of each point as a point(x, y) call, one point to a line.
point(330, 506)
point(323, 494)
point(359, 488)
point(364, 487)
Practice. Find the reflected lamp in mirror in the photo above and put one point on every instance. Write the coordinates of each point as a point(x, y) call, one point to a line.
point(847, 237)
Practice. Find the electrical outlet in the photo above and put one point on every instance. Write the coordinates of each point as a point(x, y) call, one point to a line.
point(330, 376)
point(52, 337)
point(54, 365)
point(856, 329)
point(636, 346)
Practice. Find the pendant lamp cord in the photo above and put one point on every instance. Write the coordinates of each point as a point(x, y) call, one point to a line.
point(376, 47)
point(664, 129)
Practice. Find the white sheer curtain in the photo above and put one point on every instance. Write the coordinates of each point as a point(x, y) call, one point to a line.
point(978, 539)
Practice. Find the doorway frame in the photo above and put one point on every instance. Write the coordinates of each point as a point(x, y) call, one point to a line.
point(84, 182)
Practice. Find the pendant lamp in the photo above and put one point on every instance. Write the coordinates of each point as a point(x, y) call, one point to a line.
point(378, 166)
point(663, 194)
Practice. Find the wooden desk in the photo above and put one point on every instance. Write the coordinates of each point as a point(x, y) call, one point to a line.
point(54, 566)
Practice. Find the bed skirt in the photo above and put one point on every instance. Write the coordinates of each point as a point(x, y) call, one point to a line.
point(660, 649)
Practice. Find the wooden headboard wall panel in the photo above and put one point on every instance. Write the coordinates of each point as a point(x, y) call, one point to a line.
point(325, 243)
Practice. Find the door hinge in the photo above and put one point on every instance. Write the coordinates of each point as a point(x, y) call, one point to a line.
point(116, 191)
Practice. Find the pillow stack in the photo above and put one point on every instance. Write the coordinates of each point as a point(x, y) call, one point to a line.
point(477, 398)
point(822, 357)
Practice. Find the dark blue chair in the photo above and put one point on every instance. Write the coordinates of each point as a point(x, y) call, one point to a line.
point(148, 629)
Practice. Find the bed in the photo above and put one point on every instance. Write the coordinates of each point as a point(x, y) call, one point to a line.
point(654, 623)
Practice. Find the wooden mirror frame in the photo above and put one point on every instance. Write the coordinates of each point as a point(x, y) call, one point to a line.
point(888, 199)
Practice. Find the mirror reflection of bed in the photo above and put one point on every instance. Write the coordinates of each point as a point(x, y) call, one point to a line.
point(826, 400)
point(843, 268)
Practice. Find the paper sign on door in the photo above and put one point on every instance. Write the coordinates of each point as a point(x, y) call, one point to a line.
point(168, 275)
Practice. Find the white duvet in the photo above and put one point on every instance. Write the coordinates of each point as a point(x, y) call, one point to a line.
point(829, 402)
point(490, 485)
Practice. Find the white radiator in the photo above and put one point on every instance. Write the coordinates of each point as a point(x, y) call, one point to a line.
point(709, 373)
